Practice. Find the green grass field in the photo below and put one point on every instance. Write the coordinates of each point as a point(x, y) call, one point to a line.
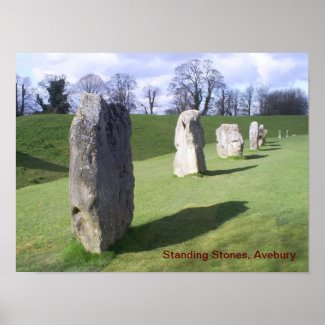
point(43, 149)
point(239, 205)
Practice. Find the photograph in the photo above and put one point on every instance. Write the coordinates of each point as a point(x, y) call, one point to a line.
point(162, 162)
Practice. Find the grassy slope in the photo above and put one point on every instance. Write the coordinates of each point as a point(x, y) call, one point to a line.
point(43, 149)
point(241, 205)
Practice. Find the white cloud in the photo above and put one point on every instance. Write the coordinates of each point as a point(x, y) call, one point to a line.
point(159, 81)
point(74, 65)
point(235, 67)
point(270, 68)
point(275, 70)
point(302, 84)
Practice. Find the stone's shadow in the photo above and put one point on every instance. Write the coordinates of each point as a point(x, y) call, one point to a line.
point(267, 142)
point(255, 156)
point(226, 171)
point(272, 145)
point(27, 161)
point(179, 227)
point(269, 149)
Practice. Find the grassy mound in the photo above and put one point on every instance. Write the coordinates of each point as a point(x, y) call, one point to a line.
point(43, 149)
point(239, 205)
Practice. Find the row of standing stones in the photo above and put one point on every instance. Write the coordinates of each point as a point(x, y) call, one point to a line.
point(101, 171)
point(189, 142)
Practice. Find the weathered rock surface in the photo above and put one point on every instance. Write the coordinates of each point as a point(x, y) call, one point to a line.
point(101, 173)
point(189, 143)
point(262, 132)
point(253, 136)
point(229, 141)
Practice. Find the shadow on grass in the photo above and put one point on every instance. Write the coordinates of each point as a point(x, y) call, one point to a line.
point(27, 161)
point(267, 142)
point(255, 156)
point(179, 227)
point(226, 171)
point(272, 145)
point(270, 149)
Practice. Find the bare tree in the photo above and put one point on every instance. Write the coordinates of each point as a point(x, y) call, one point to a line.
point(199, 80)
point(213, 81)
point(229, 107)
point(231, 102)
point(120, 89)
point(180, 99)
point(189, 76)
point(247, 100)
point(261, 97)
point(91, 83)
point(236, 99)
point(150, 94)
point(221, 102)
point(227, 101)
point(25, 96)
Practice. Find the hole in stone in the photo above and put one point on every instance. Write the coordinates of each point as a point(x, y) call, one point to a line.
point(75, 211)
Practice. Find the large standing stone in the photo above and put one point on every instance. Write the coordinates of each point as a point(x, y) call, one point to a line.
point(229, 141)
point(262, 132)
point(253, 136)
point(101, 173)
point(189, 142)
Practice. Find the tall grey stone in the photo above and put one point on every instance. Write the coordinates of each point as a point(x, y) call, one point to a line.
point(253, 136)
point(262, 132)
point(229, 141)
point(189, 143)
point(287, 133)
point(101, 173)
point(279, 134)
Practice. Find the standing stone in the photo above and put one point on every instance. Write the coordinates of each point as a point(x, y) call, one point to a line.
point(279, 134)
point(101, 173)
point(262, 132)
point(253, 136)
point(287, 134)
point(229, 141)
point(189, 143)
point(264, 135)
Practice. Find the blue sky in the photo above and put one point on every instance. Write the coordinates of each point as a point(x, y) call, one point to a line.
point(278, 70)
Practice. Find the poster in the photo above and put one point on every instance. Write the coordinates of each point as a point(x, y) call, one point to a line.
point(161, 297)
point(232, 197)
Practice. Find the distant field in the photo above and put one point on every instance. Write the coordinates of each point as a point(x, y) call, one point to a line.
point(240, 205)
point(43, 149)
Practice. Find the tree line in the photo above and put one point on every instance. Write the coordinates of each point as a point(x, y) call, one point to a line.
point(196, 84)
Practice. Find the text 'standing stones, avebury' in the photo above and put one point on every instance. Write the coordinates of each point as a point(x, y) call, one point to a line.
point(101, 173)
point(189, 143)
point(230, 142)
